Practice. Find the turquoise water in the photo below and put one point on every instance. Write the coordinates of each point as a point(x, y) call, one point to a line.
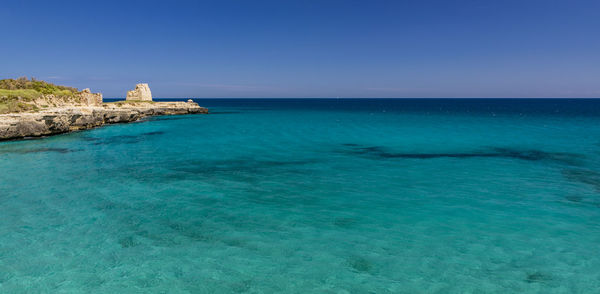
point(311, 196)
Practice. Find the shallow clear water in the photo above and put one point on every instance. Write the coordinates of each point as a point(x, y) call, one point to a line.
point(311, 196)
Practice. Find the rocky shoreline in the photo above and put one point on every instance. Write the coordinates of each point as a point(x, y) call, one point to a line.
point(59, 120)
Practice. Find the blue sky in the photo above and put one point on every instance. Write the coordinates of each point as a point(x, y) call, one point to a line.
point(428, 48)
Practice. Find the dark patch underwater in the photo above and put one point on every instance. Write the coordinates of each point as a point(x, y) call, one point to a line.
point(360, 264)
point(537, 277)
point(584, 176)
point(225, 112)
point(36, 150)
point(122, 139)
point(494, 152)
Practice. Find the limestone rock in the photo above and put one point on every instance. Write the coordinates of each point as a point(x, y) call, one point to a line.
point(141, 93)
point(51, 121)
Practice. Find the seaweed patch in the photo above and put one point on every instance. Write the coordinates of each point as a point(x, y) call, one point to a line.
point(495, 152)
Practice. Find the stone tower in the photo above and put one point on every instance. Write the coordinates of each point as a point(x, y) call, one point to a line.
point(90, 98)
point(141, 93)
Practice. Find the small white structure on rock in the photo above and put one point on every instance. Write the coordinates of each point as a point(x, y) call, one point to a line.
point(141, 93)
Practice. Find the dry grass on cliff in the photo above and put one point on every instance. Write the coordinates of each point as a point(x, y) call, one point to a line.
point(41, 87)
point(14, 105)
point(26, 94)
point(28, 90)
point(17, 95)
point(15, 100)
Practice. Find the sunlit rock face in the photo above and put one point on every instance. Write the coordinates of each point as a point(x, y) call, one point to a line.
point(141, 93)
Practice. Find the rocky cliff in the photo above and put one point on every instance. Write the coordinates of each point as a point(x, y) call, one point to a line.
point(33, 108)
point(65, 119)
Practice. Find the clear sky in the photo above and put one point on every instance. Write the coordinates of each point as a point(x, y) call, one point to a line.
point(425, 48)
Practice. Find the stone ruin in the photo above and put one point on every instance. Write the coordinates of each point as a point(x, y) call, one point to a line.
point(90, 98)
point(141, 93)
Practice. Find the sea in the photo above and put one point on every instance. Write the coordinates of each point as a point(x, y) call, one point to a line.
point(311, 196)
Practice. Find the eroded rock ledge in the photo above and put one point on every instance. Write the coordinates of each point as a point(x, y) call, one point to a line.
point(52, 121)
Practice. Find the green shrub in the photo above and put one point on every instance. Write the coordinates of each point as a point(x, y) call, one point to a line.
point(42, 87)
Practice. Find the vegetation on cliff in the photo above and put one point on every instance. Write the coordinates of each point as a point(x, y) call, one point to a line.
point(41, 87)
point(16, 95)
point(9, 105)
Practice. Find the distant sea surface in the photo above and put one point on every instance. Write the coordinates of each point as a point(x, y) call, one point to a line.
point(311, 196)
